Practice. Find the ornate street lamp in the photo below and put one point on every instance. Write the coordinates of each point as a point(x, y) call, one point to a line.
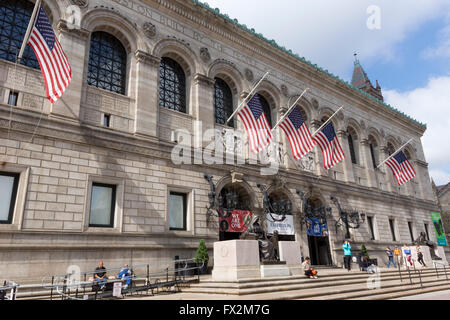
point(321, 213)
point(280, 208)
point(349, 218)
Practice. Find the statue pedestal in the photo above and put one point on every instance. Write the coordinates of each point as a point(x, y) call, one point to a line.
point(236, 259)
point(440, 252)
point(291, 254)
point(275, 270)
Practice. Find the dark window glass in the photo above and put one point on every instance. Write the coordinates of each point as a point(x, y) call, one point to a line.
point(103, 205)
point(372, 153)
point(352, 148)
point(12, 99)
point(372, 232)
point(107, 63)
point(223, 102)
point(8, 194)
point(106, 120)
point(172, 85)
point(266, 109)
point(411, 233)
point(14, 18)
point(177, 211)
point(391, 225)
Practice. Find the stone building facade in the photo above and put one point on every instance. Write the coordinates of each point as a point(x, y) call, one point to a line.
point(93, 136)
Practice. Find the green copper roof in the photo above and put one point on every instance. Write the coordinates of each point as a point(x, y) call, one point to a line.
point(295, 55)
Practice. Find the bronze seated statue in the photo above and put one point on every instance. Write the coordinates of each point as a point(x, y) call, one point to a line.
point(422, 241)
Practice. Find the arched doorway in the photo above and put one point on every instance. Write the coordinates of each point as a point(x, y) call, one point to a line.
point(232, 197)
point(281, 203)
point(317, 231)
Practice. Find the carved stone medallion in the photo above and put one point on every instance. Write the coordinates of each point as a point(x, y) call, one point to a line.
point(204, 55)
point(149, 30)
point(249, 75)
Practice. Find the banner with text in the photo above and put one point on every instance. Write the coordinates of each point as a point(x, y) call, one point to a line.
point(315, 229)
point(285, 227)
point(439, 228)
point(236, 222)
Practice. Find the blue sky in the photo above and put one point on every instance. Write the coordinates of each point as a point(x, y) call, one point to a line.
point(409, 54)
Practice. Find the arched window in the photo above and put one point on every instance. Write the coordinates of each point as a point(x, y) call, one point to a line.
point(14, 18)
point(266, 108)
point(374, 151)
point(107, 63)
point(172, 85)
point(223, 102)
point(352, 137)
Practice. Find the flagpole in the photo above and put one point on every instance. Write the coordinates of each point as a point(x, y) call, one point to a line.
point(37, 5)
point(249, 95)
point(328, 121)
point(394, 153)
point(289, 110)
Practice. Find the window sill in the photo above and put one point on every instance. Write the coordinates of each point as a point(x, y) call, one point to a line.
point(175, 112)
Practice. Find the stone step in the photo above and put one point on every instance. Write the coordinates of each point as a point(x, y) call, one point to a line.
point(388, 291)
point(292, 285)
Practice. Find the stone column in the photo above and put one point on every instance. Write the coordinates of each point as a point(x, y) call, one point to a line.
point(347, 163)
point(74, 43)
point(390, 180)
point(146, 117)
point(367, 158)
point(203, 105)
point(320, 170)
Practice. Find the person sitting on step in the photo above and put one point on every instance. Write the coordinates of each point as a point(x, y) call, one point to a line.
point(309, 272)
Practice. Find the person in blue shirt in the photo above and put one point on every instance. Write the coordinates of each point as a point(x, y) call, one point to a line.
point(347, 255)
point(125, 274)
point(390, 255)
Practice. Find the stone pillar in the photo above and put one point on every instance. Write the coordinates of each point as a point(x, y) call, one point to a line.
point(74, 43)
point(347, 163)
point(367, 158)
point(147, 69)
point(203, 105)
point(320, 170)
point(390, 179)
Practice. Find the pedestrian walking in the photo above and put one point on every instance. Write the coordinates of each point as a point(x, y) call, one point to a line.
point(347, 255)
point(398, 255)
point(420, 257)
point(407, 255)
point(390, 255)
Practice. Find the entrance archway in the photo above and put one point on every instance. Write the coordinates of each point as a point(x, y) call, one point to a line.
point(318, 243)
point(278, 198)
point(233, 197)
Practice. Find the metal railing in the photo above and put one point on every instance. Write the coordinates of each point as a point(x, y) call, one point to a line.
point(79, 286)
point(436, 268)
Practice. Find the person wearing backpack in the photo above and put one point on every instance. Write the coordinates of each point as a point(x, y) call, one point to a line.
point(347, 255)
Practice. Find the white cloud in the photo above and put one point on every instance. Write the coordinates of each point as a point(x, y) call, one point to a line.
point(327, 32)
point(430, 105)
point(442, 50)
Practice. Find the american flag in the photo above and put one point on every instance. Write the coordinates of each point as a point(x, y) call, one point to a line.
point(402, 169)
point(52, 59)
point(256, 125)
point(298, 134)
point(331, 148)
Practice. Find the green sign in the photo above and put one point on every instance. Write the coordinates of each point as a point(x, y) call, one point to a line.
point(438, 228)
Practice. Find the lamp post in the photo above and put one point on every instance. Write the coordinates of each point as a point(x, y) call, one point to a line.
point(350, 218)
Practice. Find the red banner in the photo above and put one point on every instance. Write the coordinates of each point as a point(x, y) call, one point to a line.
point(236, 222)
